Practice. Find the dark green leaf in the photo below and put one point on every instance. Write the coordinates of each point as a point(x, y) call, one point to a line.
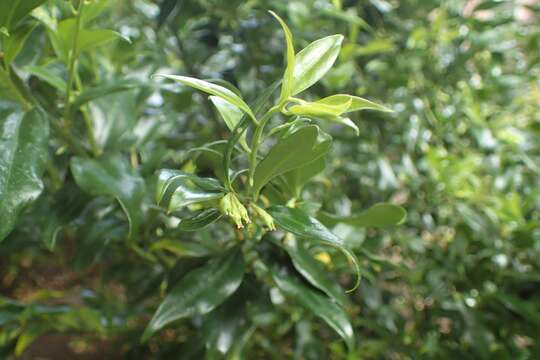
point(90, 94)
point(200, 220)
point(112, 176)
point(312, 269)
point(200, 291)
point(309, 144)
point(298, 177)
point(12, 11)
point(23, 157)
point(318, 304)
point(13, 44)
point(301, 224)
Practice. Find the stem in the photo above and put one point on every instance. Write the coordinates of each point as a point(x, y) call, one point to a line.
point(72, 58)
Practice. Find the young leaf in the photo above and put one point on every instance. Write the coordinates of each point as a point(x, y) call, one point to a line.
point(112, 176)
point(378, 216)
point(312, 269)
point(314, 61)
point(318, 304)
point(309, 144)
point(287, 84)
point(200, 291)
point(231, 115)
point(301, 224)
point(357, 103)
point(23, 157)
point(213, 89)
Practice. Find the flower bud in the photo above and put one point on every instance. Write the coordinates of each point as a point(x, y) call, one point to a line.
point(232, 207)
point(265, 217)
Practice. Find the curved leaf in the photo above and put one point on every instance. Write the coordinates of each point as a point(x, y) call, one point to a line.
point(23, 157)
point(318, 304)
point(200, 220)
point(309, 144)
point(301, 224)
point(378, 216)
point(312, 269)
point(213, 89)
point(176, 189)
point(314, 61)
point(200, 291)
point(231, 115)
point(357, 103)
point(112, 176)
point(287, 85)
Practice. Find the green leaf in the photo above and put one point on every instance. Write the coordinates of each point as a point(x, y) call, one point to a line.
point(213, 89)
point(112, 176)
point(113, 118)
point(378, 216)
point(309, 144)
point(231, 115)
point(314, 61)
point(200, 291)
point(288, 79)
point(312, 269)
point(176, 189)
point(357, 103)
point(297, 178)
point(322, 109)
point(48, 74)
point(13, 44)
point(23, 157)
point(12, 11)
point(88, 39)
point(318, 304)
point(181, 248)
point(301, 224)
point(200, 220)
point(90, 94)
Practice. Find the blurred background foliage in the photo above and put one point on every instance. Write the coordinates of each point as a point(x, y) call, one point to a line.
point(459, 279)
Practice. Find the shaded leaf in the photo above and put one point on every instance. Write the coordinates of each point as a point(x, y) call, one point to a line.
point(301, 224)
point(112, 176)
point(200, 291)
point(318, 304)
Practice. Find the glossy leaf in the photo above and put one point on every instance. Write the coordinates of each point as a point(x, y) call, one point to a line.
point(301, 224)
point(312, 269)
point(112, 176)
point(309, 144)
point(199, 220)
point(378, 216)
point(288, 79)
point(318, 304)
point(176, 189)
point(181, 247)
point(23, 157)
point(231, 115)
point(318, 108)
point(212, 89)
point(200, 291)
point(314, 61)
